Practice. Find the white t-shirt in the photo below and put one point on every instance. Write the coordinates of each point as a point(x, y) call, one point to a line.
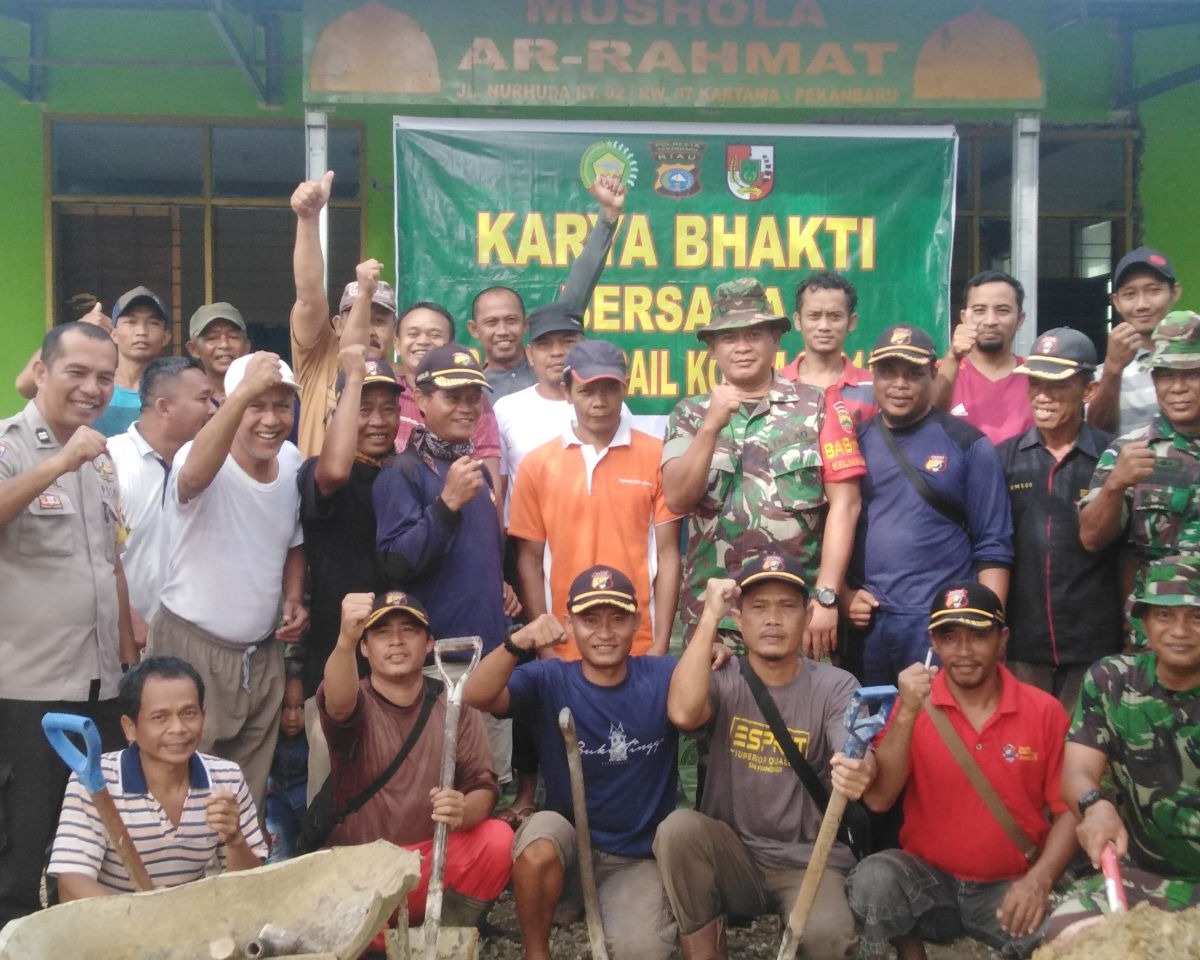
point(142, 477)
point(226, 548)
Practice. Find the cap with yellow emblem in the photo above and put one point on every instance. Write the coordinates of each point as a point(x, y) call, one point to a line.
point(601, 586)
point(905, 342)
point(449, 366)
point(766, 567)
point(968, 603)
point(396, 601)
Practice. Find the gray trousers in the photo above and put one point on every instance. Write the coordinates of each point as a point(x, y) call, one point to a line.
point(708, 873)
point(893, 893)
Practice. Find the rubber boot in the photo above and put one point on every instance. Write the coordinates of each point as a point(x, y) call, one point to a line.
point(459, 910)
point(707, 943)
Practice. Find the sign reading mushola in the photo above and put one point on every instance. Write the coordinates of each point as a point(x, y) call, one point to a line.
point(481, 203)
point(785, 54)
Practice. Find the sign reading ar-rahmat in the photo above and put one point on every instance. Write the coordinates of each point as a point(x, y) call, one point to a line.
point(774, 54)
point(481, 203)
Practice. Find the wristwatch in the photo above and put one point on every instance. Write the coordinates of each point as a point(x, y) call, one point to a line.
point(524, 656)
point(1089, 799)
point(826, 597)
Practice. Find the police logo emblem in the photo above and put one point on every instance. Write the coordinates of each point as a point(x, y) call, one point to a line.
point(1157, 259)
point(677, 173)
point(956, 599)
point(773, 563)
point(901, 335)
point(1047, 345)
point(462, 359)
point(1009, 753)
point(608, 158)
point(42, 434)
point(50, 501)
point(373, 368)
point(749, 170)
point(936, 463)
point(602, 580)
point(845, 421)
point(395, 598)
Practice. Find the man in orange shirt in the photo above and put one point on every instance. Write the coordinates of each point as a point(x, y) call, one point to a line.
point(594, 496)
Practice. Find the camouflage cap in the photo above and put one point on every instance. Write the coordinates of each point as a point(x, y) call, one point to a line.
point(742, 303)
point(1170, 582)
point(1176, 342)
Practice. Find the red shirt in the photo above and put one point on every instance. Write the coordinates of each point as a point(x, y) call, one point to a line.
point(1020, 751)
point(999, 408)
point(853, 387)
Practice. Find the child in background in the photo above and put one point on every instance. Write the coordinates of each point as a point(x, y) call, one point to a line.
point(286, 786)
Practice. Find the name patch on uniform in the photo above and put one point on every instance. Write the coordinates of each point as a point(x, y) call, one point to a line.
point(49, 501)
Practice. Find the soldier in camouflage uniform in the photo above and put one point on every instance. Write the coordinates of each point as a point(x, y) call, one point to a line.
point(1146, 489)
point(1139, 720)
point(760, 464)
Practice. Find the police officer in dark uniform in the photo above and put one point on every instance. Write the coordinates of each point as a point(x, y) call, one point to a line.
point(66, 607)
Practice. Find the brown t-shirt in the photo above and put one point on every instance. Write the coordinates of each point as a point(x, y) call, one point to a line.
point(750, 784)
point(316, 370)
point(362, 747)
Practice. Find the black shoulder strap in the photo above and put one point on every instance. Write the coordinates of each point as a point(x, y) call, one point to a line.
point(766, 703)
point(433, 689)
point(951, 511)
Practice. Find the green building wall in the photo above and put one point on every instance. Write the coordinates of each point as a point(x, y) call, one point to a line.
point(1079, 64)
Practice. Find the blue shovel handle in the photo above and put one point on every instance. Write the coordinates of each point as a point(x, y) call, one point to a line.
point(864, 728)
point(87, 765)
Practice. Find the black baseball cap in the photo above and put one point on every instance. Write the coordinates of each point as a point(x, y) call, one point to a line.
point(1145, 257)
point(554, 318)
point(448, 366)
point(1058, 354)
point(393, 601)
point(601, 586)
point(592, 360)
point(905, 342)
point(773, 566)
point(377, 372)
point(969, 603)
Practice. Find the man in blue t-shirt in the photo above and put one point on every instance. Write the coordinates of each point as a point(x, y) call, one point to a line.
point(141, 331)
point(934, 509)
point(627, 746)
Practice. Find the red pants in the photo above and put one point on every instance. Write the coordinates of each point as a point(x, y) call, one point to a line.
point(478, 864)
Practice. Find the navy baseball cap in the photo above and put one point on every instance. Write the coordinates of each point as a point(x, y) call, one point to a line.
point(1145, 257)
point(396, 601)
point(592, 360)
point(601, 586)
point(773, 566)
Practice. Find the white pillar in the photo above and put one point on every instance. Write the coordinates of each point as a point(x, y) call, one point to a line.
point(316, 155)
point(1026, 131)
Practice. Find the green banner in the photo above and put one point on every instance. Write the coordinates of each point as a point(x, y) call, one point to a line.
point(481, 203)
point(648, 54)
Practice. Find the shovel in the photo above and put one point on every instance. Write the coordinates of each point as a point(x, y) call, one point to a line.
point(454, 697)
point(87, 766)
point(583, 838)
point(863, 729)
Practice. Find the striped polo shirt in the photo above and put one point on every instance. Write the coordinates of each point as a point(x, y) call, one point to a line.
point(172, 854)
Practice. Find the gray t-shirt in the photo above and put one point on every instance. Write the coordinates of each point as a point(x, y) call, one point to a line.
point(750, 784)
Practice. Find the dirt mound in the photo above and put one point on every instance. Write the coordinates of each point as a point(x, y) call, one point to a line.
point(1144, 932)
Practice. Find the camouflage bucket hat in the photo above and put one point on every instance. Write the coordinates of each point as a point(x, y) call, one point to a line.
point(1176, 342)
point(1170, 582)
point(741, 303)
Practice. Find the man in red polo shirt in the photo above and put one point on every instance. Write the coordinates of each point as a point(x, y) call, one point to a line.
point(957, 872)
point(825, 315)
